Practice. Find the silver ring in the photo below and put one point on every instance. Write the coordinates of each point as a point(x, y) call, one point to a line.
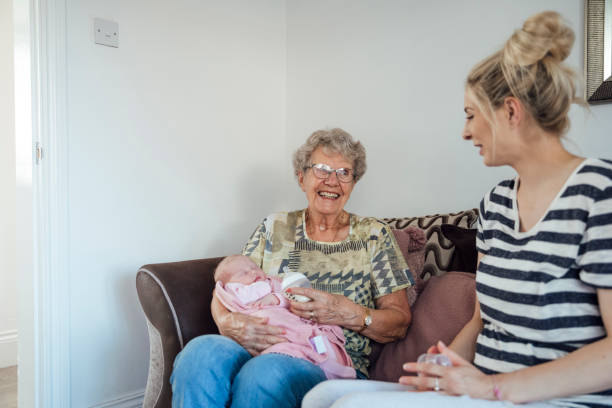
point(312, 314)
point(436, 384)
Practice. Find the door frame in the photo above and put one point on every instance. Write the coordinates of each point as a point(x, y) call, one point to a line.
point(49, 384)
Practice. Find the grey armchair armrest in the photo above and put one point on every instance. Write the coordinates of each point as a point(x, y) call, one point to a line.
point(175, 298)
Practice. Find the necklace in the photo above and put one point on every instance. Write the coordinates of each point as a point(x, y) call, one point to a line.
point(341, 222)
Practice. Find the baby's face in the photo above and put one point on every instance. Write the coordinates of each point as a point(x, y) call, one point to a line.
point(244, 270)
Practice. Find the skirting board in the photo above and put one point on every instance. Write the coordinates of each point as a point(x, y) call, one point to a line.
point(129, 400)
point(8, 348)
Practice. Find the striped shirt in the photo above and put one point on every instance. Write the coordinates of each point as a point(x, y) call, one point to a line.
point(537, 289)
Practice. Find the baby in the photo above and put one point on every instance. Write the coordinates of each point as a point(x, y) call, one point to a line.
point(243, 287)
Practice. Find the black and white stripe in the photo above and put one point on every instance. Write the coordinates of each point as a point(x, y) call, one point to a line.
point(537, 289)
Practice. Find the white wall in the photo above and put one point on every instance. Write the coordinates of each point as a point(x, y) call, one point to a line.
point(8, 275)
point(176, 151)
point(392, 74)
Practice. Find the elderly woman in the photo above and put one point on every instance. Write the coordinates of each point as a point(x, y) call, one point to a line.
point(356, 271)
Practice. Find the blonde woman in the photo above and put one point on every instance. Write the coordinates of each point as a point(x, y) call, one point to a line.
point(540, 334)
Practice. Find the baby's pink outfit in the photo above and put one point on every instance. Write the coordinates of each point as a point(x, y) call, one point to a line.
point(333, 359)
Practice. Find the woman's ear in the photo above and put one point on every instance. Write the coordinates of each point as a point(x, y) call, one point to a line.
point(301, 179)
point(513, 111)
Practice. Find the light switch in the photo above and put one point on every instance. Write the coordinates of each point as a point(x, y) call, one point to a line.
point(106, 32)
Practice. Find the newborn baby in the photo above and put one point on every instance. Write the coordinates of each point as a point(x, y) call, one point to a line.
point(243, 287)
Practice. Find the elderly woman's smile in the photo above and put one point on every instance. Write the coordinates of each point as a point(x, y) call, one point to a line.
point(326, 196)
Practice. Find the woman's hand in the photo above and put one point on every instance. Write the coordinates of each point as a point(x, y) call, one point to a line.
point(460, 379)
point(390, 318)
point(433, 350)
point(326, 308)
point(252, 333)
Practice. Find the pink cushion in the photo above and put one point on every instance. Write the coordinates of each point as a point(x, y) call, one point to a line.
point(445, 305)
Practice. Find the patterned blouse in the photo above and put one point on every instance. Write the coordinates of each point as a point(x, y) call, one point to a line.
point(365, 266)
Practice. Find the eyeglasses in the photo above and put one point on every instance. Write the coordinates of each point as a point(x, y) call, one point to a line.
point(323, 171)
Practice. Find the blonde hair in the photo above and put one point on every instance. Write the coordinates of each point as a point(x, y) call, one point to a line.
point(529, 67)
point(336, 140)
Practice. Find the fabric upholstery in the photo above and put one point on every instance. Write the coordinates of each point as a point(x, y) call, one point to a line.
point(465, 255)
point(175, 298)
point(438, 249)
point(411, 241)
point(442, 309)
point(155, 380)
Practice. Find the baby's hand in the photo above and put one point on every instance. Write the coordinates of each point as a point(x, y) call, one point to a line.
point(268, 300)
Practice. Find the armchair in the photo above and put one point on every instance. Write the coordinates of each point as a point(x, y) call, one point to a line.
point(175, 298)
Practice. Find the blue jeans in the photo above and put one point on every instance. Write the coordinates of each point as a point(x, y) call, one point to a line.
point(215, 371)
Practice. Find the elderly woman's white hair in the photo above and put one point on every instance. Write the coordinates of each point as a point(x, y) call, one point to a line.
point(333, 140)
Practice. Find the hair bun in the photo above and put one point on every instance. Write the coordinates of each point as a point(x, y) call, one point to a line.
point(544, 35)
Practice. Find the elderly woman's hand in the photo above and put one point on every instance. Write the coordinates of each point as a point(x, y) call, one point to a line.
point(253, 333)
point(327, 308)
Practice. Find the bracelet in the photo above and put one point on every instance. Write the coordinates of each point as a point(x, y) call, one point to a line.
point(497, 392)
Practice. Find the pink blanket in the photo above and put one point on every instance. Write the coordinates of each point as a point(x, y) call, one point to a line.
point(331, 357)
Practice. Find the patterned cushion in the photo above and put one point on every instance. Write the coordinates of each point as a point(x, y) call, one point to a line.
point(438, 249)
point(411, 241)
